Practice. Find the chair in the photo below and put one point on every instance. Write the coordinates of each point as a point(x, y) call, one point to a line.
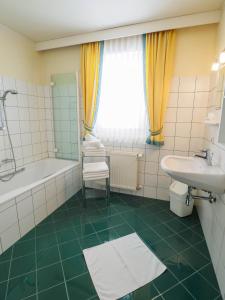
point(96, 171)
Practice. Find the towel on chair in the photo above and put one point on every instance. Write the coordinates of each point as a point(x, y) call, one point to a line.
point(94, 144)
point(96, 170)
point(95, 167)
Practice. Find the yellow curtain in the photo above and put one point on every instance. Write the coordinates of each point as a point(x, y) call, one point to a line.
point(159, 50)
point(91, 61)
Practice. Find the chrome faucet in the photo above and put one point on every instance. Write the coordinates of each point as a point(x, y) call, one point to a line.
point(206, 154)
point(5, 161)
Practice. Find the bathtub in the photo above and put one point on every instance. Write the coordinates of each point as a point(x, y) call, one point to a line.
point(30, 196)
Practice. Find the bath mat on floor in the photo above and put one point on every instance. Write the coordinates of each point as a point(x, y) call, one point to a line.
point(121, 266)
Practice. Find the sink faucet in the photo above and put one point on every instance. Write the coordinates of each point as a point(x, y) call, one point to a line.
point(206, 154)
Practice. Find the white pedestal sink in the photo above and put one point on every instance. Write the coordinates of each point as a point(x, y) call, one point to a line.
point(195, 172)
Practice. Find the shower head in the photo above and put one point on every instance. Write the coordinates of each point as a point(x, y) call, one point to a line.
point(3, 97)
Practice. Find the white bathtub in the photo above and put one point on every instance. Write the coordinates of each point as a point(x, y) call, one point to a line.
point(34, 174)
point(30, 196)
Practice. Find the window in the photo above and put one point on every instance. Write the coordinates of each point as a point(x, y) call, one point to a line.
point(122, 116)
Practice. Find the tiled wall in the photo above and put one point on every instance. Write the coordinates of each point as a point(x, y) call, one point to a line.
point(212, 216)
point(30, 122)
point(184, 131)
point(21, 214)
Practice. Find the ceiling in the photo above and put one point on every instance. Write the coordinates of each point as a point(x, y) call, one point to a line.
point(42, 20)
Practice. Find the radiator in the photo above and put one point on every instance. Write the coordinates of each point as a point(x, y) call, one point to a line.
point(124, 170)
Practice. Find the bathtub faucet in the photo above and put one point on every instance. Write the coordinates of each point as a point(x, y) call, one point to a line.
point(11, 173)
point(5, 161)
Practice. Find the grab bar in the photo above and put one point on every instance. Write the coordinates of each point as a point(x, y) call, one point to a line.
point(12, 173)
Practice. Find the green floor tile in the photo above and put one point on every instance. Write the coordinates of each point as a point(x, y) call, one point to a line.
point(74, 266)
point(61, 225)
point(190, 237)
point(200, 288)
point(162, 250)
point(34, 297)
point(149, 236)
point(209, 274)
point(81, 287)
point(195, 259)
point(47, 257)
point(101, 225)
point(22, 265)
point(49, 276)
point(55, 293)
point(21, 287)
point(219, 298)
point(163, 231)
point(69, 249)
point(6, 256)
point(190, 220)
point(177, 243)
point(89, 241)
point(176, 226)
point(107, 235)
point(155, 208)
point(46, 241)
point(3, 286)
point(72, 228)
point(44, 229)
point(179, 266)
point(66, 235)
point(115, 220)
point(165, 281)
point(177, 293)
point(197, 229)
point(163, 216)
point(84, 230)
point(29, 236)
point(203, 249)
point(146, 292)
point(151, 220)
point(124, 229)
point(24, 248)
point(4, 271)
point(136, 224)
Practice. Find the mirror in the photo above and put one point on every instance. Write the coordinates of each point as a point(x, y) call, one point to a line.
point(221, 135)
point(1, 117)
point(219, 84)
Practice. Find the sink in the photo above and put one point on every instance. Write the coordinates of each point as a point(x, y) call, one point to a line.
point(194, 172)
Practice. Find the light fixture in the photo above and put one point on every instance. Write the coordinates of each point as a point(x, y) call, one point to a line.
point(215, 66)
point(222, 57)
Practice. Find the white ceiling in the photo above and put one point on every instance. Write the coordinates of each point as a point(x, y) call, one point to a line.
point(42, 20)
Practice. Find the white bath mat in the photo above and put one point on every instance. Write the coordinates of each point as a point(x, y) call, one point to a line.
point(121, 266)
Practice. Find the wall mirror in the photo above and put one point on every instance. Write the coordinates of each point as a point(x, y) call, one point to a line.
point(219, 88)
point(218, 103)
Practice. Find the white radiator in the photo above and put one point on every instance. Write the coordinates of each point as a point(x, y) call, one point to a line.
point(124, 170)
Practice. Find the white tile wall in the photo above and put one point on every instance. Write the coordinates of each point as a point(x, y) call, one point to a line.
point(212, 216)
point(30, 122)
point(20, 215)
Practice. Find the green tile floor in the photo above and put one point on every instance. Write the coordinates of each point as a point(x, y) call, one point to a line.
point(47, 263)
